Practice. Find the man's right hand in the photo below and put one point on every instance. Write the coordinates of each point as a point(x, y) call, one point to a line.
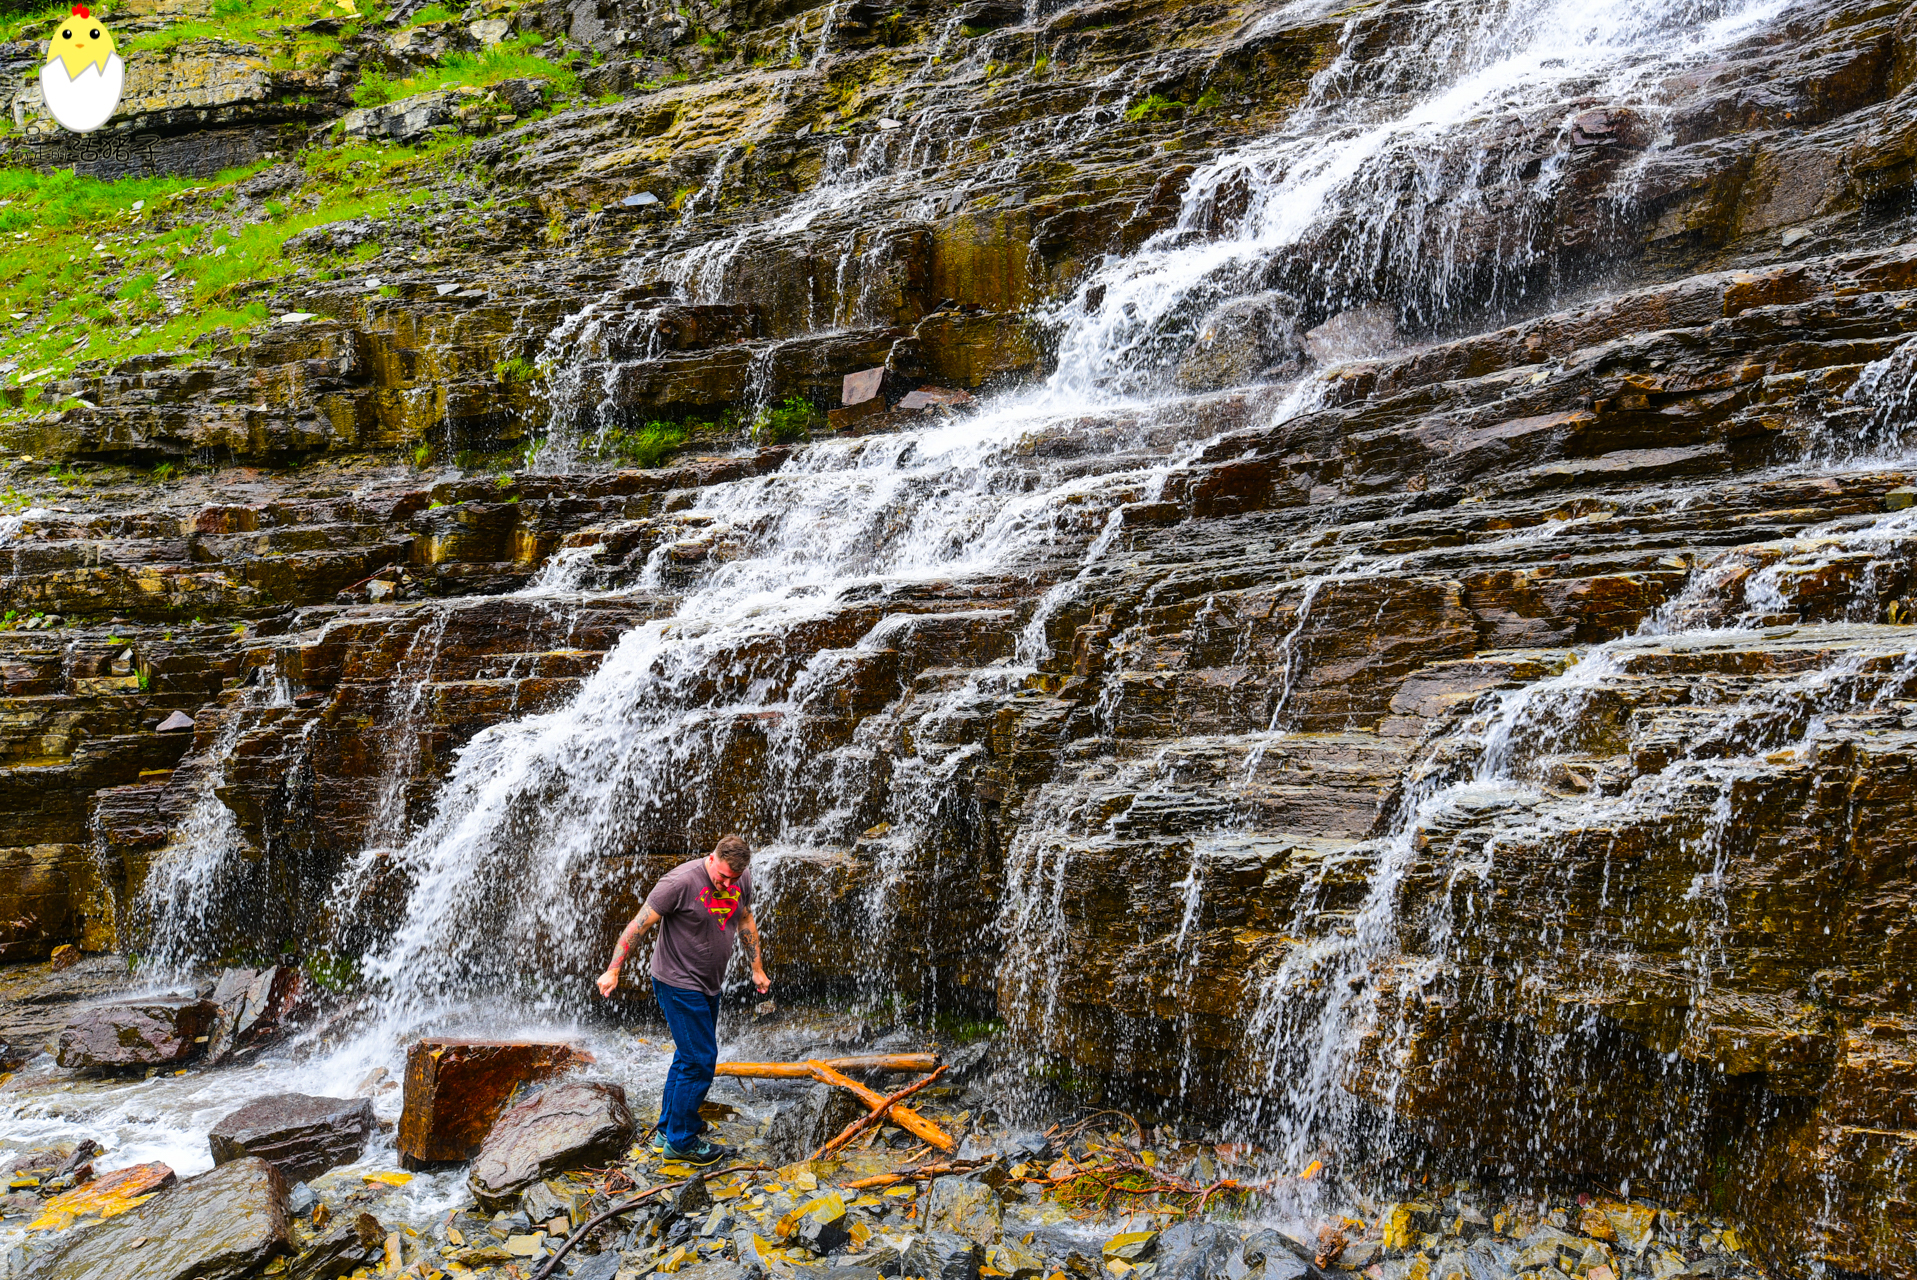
point(609, 982)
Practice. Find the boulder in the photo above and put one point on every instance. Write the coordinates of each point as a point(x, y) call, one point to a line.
point(299, 1135)
point(566, 1126)
point(455, 1090)
point(145, 1033)
point(1240, 340)
point(1195, 1251)
point(964, 1207)
point(248, 1005)
point(802, 1126)
point(1354, 335)
point(939, 1255)
point(222, 1225)
point(405, 121)
point(340, 1252)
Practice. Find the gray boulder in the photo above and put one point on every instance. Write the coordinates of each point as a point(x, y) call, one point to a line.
point(567, 1126)
point(248, 1005)
point(146, 1033)
point(222, 1225)
point(802, 1126)
point(299, 1135)
point(939, 1255)
point(405, 121)
point(1195, 1251)
point(1240, 340)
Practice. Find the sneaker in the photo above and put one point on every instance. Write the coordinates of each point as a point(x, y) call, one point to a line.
point(699, 1154)
point(658, 1141)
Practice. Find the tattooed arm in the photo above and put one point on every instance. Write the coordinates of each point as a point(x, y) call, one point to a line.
point(749, 934)
point(640, 926)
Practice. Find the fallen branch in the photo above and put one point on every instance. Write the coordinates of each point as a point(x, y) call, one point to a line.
point(906, 1118)
point(1080, 1126)
point(900, 1063)
point(909, 1175)
point(871, 1121)
point(629, 1205)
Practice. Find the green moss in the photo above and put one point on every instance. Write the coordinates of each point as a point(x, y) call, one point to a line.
point(517, 369)
point(1155, 108)
point(787, 422)
point(646, 447)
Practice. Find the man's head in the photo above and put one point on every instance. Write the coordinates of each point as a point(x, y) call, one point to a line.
point(733, 854)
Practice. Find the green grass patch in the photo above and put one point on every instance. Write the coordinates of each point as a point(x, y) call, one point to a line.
point(513, 59)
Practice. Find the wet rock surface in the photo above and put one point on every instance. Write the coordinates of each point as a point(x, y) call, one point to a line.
point(150, 1033)
point(297, 1134)
point(223, 1225)
point(565, 1126)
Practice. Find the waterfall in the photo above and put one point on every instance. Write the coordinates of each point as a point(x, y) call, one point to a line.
point(647, 758)
point(720, 717)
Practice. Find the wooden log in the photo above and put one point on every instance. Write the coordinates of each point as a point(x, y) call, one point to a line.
point(904, 1117)
point(863, 1123)
point(902, 1063)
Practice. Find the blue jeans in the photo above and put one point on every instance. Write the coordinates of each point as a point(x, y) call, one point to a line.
point(693, 1017)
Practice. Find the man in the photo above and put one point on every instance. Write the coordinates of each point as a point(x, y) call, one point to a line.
point(700, 907)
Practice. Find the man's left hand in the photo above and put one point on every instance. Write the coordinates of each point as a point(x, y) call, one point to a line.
point(759, 980)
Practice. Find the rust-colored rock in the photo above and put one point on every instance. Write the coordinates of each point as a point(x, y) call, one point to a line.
point(456, 1090)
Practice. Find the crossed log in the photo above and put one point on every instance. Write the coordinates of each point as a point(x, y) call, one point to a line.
point(831, 1071)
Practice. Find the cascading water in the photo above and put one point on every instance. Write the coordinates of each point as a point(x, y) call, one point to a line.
point(678, 698)
point(1377, 186)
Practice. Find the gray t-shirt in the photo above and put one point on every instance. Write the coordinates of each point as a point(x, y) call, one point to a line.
point(697, 923)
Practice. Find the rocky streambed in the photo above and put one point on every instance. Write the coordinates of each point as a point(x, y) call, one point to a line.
point(312, 1187)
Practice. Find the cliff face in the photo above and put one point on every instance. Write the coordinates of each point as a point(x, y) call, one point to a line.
point(1429, 673)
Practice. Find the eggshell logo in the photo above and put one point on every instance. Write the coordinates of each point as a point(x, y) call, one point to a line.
point(83, 76)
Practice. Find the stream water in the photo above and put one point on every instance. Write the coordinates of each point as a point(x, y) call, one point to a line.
point(1373, 177)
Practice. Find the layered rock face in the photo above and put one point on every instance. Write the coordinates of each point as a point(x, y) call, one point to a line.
point(1430, 682)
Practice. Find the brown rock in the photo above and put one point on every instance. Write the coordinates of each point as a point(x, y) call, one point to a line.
point(456, 1089)
point(862, 386)
point(249, 1004)
point(299, 1135)
point(149, 1033)
point(566, 1126)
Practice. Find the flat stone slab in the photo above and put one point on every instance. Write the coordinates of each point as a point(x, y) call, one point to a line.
point(566, 1126)
point(222, 1225)
point(456, 1089)
point(296, 1133)
point(143, 1034)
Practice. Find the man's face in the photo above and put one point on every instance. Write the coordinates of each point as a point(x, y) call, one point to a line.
point(721, 870)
